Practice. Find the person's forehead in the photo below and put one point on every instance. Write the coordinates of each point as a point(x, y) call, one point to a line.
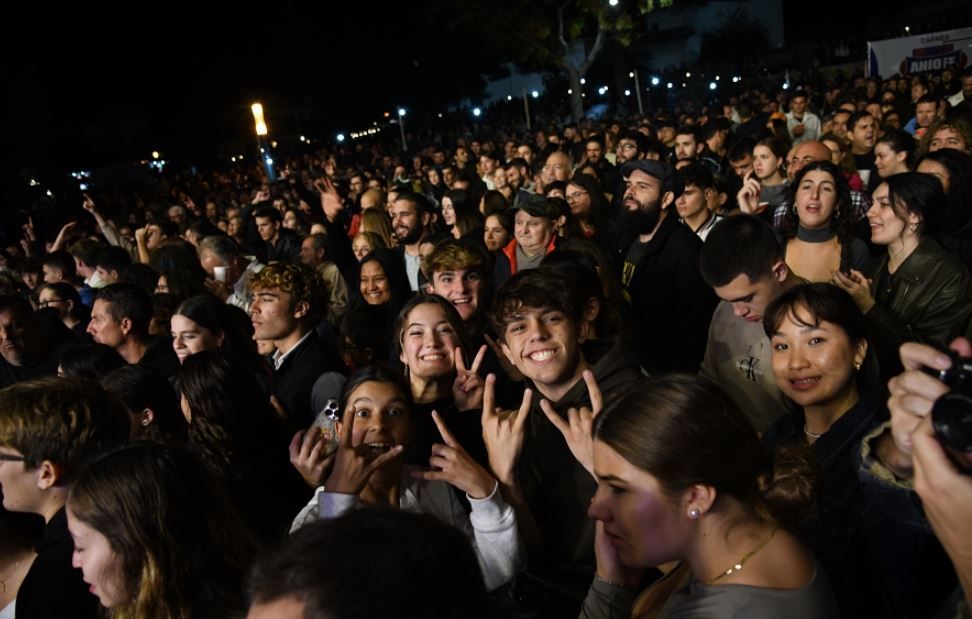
point(637, 176)
point(524, 217)
point(404, 207)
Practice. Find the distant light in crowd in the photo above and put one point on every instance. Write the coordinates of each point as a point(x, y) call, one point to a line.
point(233, 159)
point(570, 91)
point(49, 193)
point(273, 144)
point(583, 81)
point(83, 187)
point(712, 85)
point(655, 81)
point(631, 74)
point(670, 85)
point(717, 78)
point(401, 111)
point(302, 138)
point(269, 161)
point(155, 154)
point(440, 114)
point(688, 74)
point(509, 97)
point(340, 137)
point(34, 183)
point(261, 150)
point(261, 125)
point(627, 93)
point(535, 94)
point(477, 111)
point(613, 2)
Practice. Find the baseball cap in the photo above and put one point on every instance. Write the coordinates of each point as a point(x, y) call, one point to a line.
point(536, 205)
point(670, 179)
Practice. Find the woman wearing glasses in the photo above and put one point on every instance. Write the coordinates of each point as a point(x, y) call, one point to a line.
point(64, 299)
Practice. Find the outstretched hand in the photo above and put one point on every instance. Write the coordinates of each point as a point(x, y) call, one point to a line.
point(467, 389)
point(451, 463)
point(577, 429)
point(503, 432)
point(309, 455)
point(355, 464)
point(330, 199)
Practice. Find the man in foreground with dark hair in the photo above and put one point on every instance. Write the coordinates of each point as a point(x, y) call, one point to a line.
point(370, 563)
point(542, 323)
point(743, 262)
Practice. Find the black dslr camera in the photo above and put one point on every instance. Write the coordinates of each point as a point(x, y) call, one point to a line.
point(952, 413)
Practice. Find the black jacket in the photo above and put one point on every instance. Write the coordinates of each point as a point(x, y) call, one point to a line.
point(557, 488)
point(53, 589)
point(287, 248)
point(671, 303)
point(928, 299)
point(294, 380)
point(877, 565)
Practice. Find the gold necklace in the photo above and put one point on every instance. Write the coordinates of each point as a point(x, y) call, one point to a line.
point(738, 566)
point(3, 581)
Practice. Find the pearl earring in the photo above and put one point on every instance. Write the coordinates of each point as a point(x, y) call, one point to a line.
point(694, 513)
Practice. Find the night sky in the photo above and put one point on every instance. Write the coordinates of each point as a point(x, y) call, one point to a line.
point(89, 87)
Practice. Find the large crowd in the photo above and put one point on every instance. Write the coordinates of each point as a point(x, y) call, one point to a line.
point(707, 362)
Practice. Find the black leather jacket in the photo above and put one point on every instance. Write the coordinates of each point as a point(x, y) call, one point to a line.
point(928, 299)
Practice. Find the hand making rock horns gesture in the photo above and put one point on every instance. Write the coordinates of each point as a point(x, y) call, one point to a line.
point(503, 431)
point(577, 429)
point(354, 464)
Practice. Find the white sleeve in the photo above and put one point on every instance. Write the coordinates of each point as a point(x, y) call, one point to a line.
point(324, 505)
point(496, 539)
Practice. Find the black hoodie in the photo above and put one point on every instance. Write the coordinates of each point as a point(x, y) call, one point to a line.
point(557, 488)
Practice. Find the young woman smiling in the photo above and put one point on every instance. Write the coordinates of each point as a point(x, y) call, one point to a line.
point(917, 292)
point(821, 363)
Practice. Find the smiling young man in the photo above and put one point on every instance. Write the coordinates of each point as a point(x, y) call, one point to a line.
point(542, 324)
point(49, 429)
point(743, 262)
point(288, 301)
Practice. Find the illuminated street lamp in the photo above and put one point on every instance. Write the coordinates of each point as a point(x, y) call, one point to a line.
point(261, 132)
point(634, 74)
point(401, 125)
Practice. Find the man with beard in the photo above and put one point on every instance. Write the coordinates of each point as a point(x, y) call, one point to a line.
point(411, 214)
point(672, 305)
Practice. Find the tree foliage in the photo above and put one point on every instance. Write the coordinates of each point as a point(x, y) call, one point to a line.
point(548, 35)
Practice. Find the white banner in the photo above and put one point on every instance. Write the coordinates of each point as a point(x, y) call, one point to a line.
point(920, 53)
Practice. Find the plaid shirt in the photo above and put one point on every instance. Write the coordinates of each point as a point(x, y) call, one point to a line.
point(860, 201)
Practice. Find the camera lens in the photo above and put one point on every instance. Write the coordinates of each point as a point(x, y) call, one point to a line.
point(952, 420)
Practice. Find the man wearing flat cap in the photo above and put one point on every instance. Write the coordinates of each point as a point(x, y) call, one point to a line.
point(671, 303)
point(534, 236)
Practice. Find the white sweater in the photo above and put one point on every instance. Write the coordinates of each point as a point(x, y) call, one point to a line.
point(491, 527)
